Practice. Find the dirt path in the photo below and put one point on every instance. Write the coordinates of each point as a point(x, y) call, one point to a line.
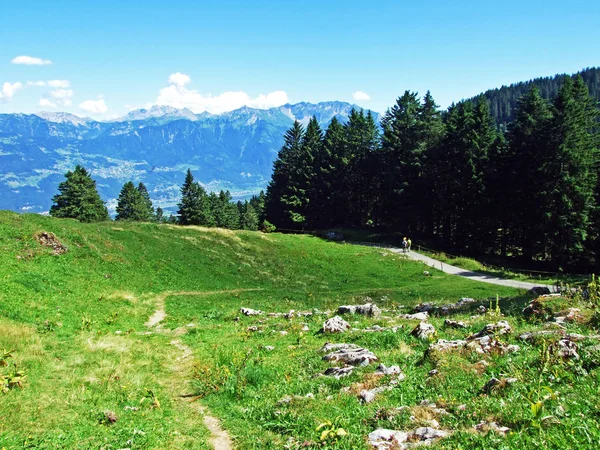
point(453, 270)
point(160, 313)
point(219, 438)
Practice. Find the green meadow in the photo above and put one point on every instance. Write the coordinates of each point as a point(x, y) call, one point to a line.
point(84, 368)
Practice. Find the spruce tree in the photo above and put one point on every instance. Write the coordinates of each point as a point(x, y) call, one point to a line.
point(78, 198)
point(248, 217)
point(149, 208)
point(131, 204)
point(194, 208)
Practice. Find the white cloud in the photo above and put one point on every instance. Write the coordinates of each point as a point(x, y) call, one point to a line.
point(36, 83)
point(62, 93)
point(94, 106)
point(45, 103)
point(360, 95)
point(67, 102)
point(180, 79)
point(59, 83)
point(178, 96)
point(30, 61)
point(9, 89)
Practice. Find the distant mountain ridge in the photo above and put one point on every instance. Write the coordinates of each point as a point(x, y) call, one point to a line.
point(234, 150)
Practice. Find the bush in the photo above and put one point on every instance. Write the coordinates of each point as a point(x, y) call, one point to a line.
point(267, 227)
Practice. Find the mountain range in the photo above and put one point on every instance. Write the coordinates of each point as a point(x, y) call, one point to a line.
point(233, 151)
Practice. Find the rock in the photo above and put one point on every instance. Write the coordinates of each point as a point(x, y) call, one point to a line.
point(355, 357)
point(339, 372)
point(433, 372)
point(377, 328)
point(367, 396)
point(50, 240)
point(251, 312)
point(309, 395)
point(423, 331)
point(110, 417)
point(539, 291)
point(566, 349)
point(385, 439)
point(486, 427)
point(335, 325)
point(427, 434)
point(454, 324)
point(368, 309)
point(422, 316)
point(532, 335)
point(487, 344)
point(424, 307)
point(328, 347)
point(253, 328)
point(305, 328)
point(382, 369)
point(275, 314)
point(495, 383)
point(289, 315)
point(496, 329)
point(269, 348)
point(426, 273)
point(443, 345)
point(481, 309)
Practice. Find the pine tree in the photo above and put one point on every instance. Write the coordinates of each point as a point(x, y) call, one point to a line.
point(194, 208)
point(258, 203)
point(248, 217)
point(78, 198)
point(283, 205)
point(571, 166)
point(131, 204)
point(147, 202)
point(160, 215)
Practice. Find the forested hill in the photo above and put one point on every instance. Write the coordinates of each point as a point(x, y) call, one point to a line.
point(503, 101)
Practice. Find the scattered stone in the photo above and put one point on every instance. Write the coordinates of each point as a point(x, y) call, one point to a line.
point(289, 315)
point(328, 347)
point(131, 408)
point(368, 396)
point(382, 369)
point(454, 324)
point(426, 273)
point(377, 328)
point(566, 349)
point(110, 417)
point(423, 331)
point(531, 336)
point(355, 356)
point(253, 328)
point(368, 309)
point(309, 395)
point(496, 329)
point(485, 427)
point(433, 372)
point(463, 303)
point(251, 312)
point(422, 316)
point(269, 348)
point(487, 344)
point(50, 240)
point(335, 325)
point(481, 309)
point(494, 383)
point(283, 332)
point(443, 345)
point(305, 328)
point(275, 314)
point(385, 439)
point(539, 291)
point(339, 372)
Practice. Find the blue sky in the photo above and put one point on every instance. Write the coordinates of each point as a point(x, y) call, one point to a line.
point(104, 58)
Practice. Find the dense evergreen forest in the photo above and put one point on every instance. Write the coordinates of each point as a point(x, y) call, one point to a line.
point(530, 192)
point(503, 101)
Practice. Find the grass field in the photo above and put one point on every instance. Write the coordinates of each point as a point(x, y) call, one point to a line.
point(94, 375)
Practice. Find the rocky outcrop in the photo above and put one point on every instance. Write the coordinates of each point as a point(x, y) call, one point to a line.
point(335, 325)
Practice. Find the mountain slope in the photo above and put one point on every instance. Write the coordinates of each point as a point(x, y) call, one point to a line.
point(234, 150)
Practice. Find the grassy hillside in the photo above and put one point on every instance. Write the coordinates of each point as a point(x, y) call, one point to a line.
point(95, 375)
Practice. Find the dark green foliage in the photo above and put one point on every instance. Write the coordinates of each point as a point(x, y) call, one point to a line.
point(194, 208)
point(454, 177)
point(79, 198)
point(149, 208)
point(132, 205)
point(248, 217)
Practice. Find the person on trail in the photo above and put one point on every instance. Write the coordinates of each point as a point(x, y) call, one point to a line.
point(408, 244)
point(404, 245)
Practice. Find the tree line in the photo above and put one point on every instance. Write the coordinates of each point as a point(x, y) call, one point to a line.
point(531, 191)
point(78, 198)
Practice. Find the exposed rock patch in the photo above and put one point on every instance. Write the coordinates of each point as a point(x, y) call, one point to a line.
point(335, 325)
point(251, 312)
point(50, 240)
point(368, 309)
point(423, 331)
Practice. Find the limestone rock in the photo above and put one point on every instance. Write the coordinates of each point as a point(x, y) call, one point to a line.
point(368, 309)
point(454, 324)
point(496, 329)
point(422, 316)
point(423, 331)
point(443, 345)
point(486, 427)
point(251, 312)
point(338, 372)
point(382, 369)
point(335, 325)
point(566, 349)
point(385, 439)
point(355, 357)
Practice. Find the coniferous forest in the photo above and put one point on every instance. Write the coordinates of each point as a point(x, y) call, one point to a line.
point(463, 178)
